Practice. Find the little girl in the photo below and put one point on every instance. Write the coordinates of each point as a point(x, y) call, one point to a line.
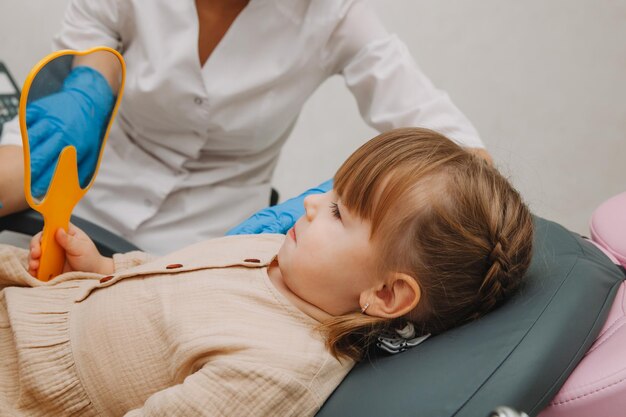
point(416, 230)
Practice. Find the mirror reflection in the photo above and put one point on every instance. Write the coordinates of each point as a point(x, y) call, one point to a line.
point(70, 103)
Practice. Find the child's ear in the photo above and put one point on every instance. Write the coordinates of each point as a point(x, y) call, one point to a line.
point(396, 297)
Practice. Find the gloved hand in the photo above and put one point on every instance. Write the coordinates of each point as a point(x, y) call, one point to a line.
point(77, 115)
point(279, 218)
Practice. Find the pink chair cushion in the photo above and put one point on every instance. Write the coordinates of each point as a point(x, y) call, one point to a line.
point(608, 227)
point(597, 387)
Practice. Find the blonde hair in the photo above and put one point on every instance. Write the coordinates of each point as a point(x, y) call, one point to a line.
point(442, 215)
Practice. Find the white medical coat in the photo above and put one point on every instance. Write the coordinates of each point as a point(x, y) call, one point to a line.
point(193, 148)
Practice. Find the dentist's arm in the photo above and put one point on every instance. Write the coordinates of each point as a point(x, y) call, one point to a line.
point(11, 180)
point(105, 63)
point(390, 88)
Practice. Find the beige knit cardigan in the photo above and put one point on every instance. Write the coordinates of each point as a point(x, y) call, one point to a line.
point(199, 332)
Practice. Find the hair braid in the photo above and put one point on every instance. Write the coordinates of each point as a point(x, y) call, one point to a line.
point(493, 288)
point(508, 251)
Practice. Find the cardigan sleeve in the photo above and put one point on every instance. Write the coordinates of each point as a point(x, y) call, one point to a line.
point(226, 387)
point(13, 264)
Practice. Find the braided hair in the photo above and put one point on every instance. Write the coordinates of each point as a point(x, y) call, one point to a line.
point(442, 215)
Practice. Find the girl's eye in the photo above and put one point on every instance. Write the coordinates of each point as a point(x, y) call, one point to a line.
point(335, 208)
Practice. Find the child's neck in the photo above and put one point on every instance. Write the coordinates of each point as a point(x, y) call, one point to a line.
point(276, 277)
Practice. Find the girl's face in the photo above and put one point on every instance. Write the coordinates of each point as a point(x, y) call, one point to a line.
point(328, 259)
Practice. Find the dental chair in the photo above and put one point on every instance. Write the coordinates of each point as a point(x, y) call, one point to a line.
point(521, 354)
point(557, 348)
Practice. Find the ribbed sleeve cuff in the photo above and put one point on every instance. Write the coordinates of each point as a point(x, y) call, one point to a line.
point(123, 261)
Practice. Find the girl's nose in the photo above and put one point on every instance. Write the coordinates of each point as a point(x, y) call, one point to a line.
point(310, 206)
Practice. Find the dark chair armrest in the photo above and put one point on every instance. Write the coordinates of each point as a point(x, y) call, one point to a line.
point(30, 222)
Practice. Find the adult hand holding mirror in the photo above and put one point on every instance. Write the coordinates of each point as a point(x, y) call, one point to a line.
point(68, 104)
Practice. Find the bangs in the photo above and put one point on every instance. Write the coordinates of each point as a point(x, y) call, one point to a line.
point(384, 172)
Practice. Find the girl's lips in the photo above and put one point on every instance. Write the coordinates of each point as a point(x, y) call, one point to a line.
point(292, 233)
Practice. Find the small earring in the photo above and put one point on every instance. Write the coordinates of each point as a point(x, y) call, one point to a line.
point(364, 308)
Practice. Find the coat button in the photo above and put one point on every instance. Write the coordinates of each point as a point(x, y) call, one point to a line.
point(253, 260)
point(174, 266)
point(105, 279)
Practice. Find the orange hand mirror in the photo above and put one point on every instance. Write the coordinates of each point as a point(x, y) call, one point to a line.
point(68, 104)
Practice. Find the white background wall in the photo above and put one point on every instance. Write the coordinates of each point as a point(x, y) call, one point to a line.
point(544, 81)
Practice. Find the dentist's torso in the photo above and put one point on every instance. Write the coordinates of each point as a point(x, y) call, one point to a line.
point(194, 147)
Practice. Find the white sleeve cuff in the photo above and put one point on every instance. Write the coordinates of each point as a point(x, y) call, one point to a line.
point(11, 133)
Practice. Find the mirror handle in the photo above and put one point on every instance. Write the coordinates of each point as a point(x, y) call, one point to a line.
point(56, 209)
point(52, 255)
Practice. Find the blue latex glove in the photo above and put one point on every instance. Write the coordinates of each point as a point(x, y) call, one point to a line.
point(279, 218)
point(77, 115)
